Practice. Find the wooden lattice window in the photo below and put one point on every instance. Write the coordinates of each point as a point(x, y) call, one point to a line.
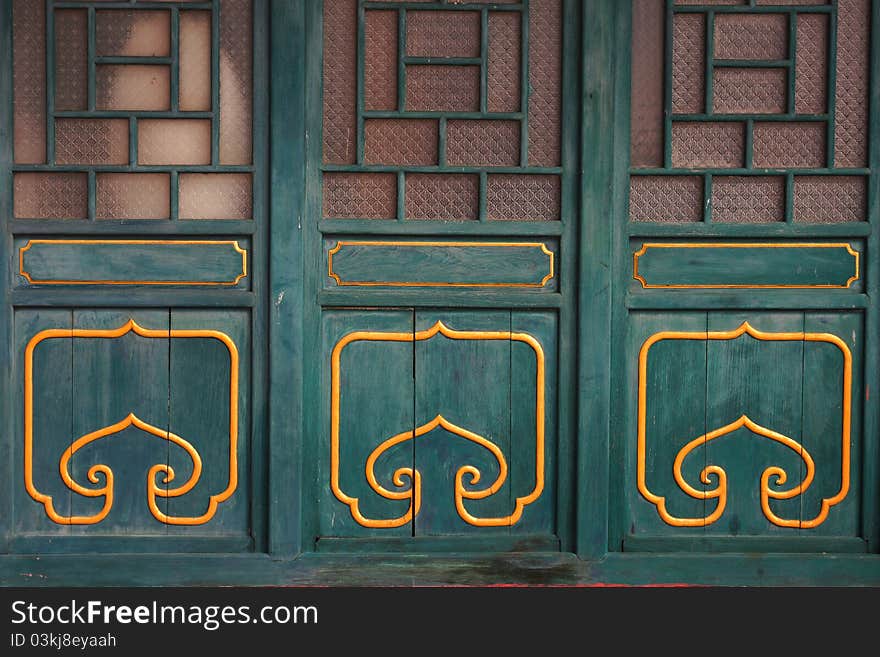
point(750, 112)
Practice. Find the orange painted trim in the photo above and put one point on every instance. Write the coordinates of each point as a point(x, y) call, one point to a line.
point(233, 243)
point(413, 493)
point(533, 245)
point(741, 245)
point(153, 490)
point(720, 491)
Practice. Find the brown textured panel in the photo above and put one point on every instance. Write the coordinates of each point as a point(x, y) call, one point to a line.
point(71, 59)
point(195, 61)
point(404, 142)
point(360, 195)
point(134, 33)
point(380, 60)
point(236, 82)
point(443, 88)
point(811, 64)
point(132, 87)
point(340, 84)
point(778, 145)
point(545, 82)
point(688, 64)
point(514, 197)
point(830, 199)
point(750, 90)
point(482, 143)
point(744, 36)
point(505, 49)
point(853, 45)
point(132, 196)
point(174, 141)
point(443, 34)
point(646, 92)
point(91, 141)
point(666, 198)
point(447, 197)
point(29, 81)
point(216, 196)
point(51, 196)
point(719, 144)
point(748, 199)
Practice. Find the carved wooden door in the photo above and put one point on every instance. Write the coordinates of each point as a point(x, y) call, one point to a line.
point(134, 328)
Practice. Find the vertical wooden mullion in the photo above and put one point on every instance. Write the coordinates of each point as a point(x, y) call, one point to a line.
point(604, 115)
point(258, 269)
point(831, 90)
point(707, 198)
point(175, 59)
point(359, 62)
point(710, 61)
point(484, 181)
point(484, 60)
point(792, 59)
point(441, 142)
point(401, 196)
point(132, 141)
point(50, 83)
point(401, 63)
point(524, 86)
point(296, 193)
point(92, 184)
point(750, 144)
point(90, 58)
point(871, 428)
point(667, 86)
point(174, 195)
point(789, 198)
point(6, 275)
point(215, 82)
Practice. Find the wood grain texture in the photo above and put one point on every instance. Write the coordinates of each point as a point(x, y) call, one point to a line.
point(468, 382)
point(53, 420)
point(745, 265)
point(113, 377)
point(199, 398)
point(363, 263)
point(132, 262)
point(375, 403)
point(763, 380)
point(823, 418)
point(675, 414)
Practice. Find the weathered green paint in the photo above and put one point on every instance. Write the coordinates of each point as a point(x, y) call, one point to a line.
point(99, 262)
point(364, 263)
point(469, 383)
point(681, 265)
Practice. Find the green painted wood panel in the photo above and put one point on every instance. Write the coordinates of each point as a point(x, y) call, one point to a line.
point(761, 379)
point(540, 516)
point(221, 263)
point(201, 387)
point(692, 265)
point(113, 379)
point(823, 419)
point(466, 380)
point(52, 418)
point(375, 403)
point(674, 413)
point(439, 263)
